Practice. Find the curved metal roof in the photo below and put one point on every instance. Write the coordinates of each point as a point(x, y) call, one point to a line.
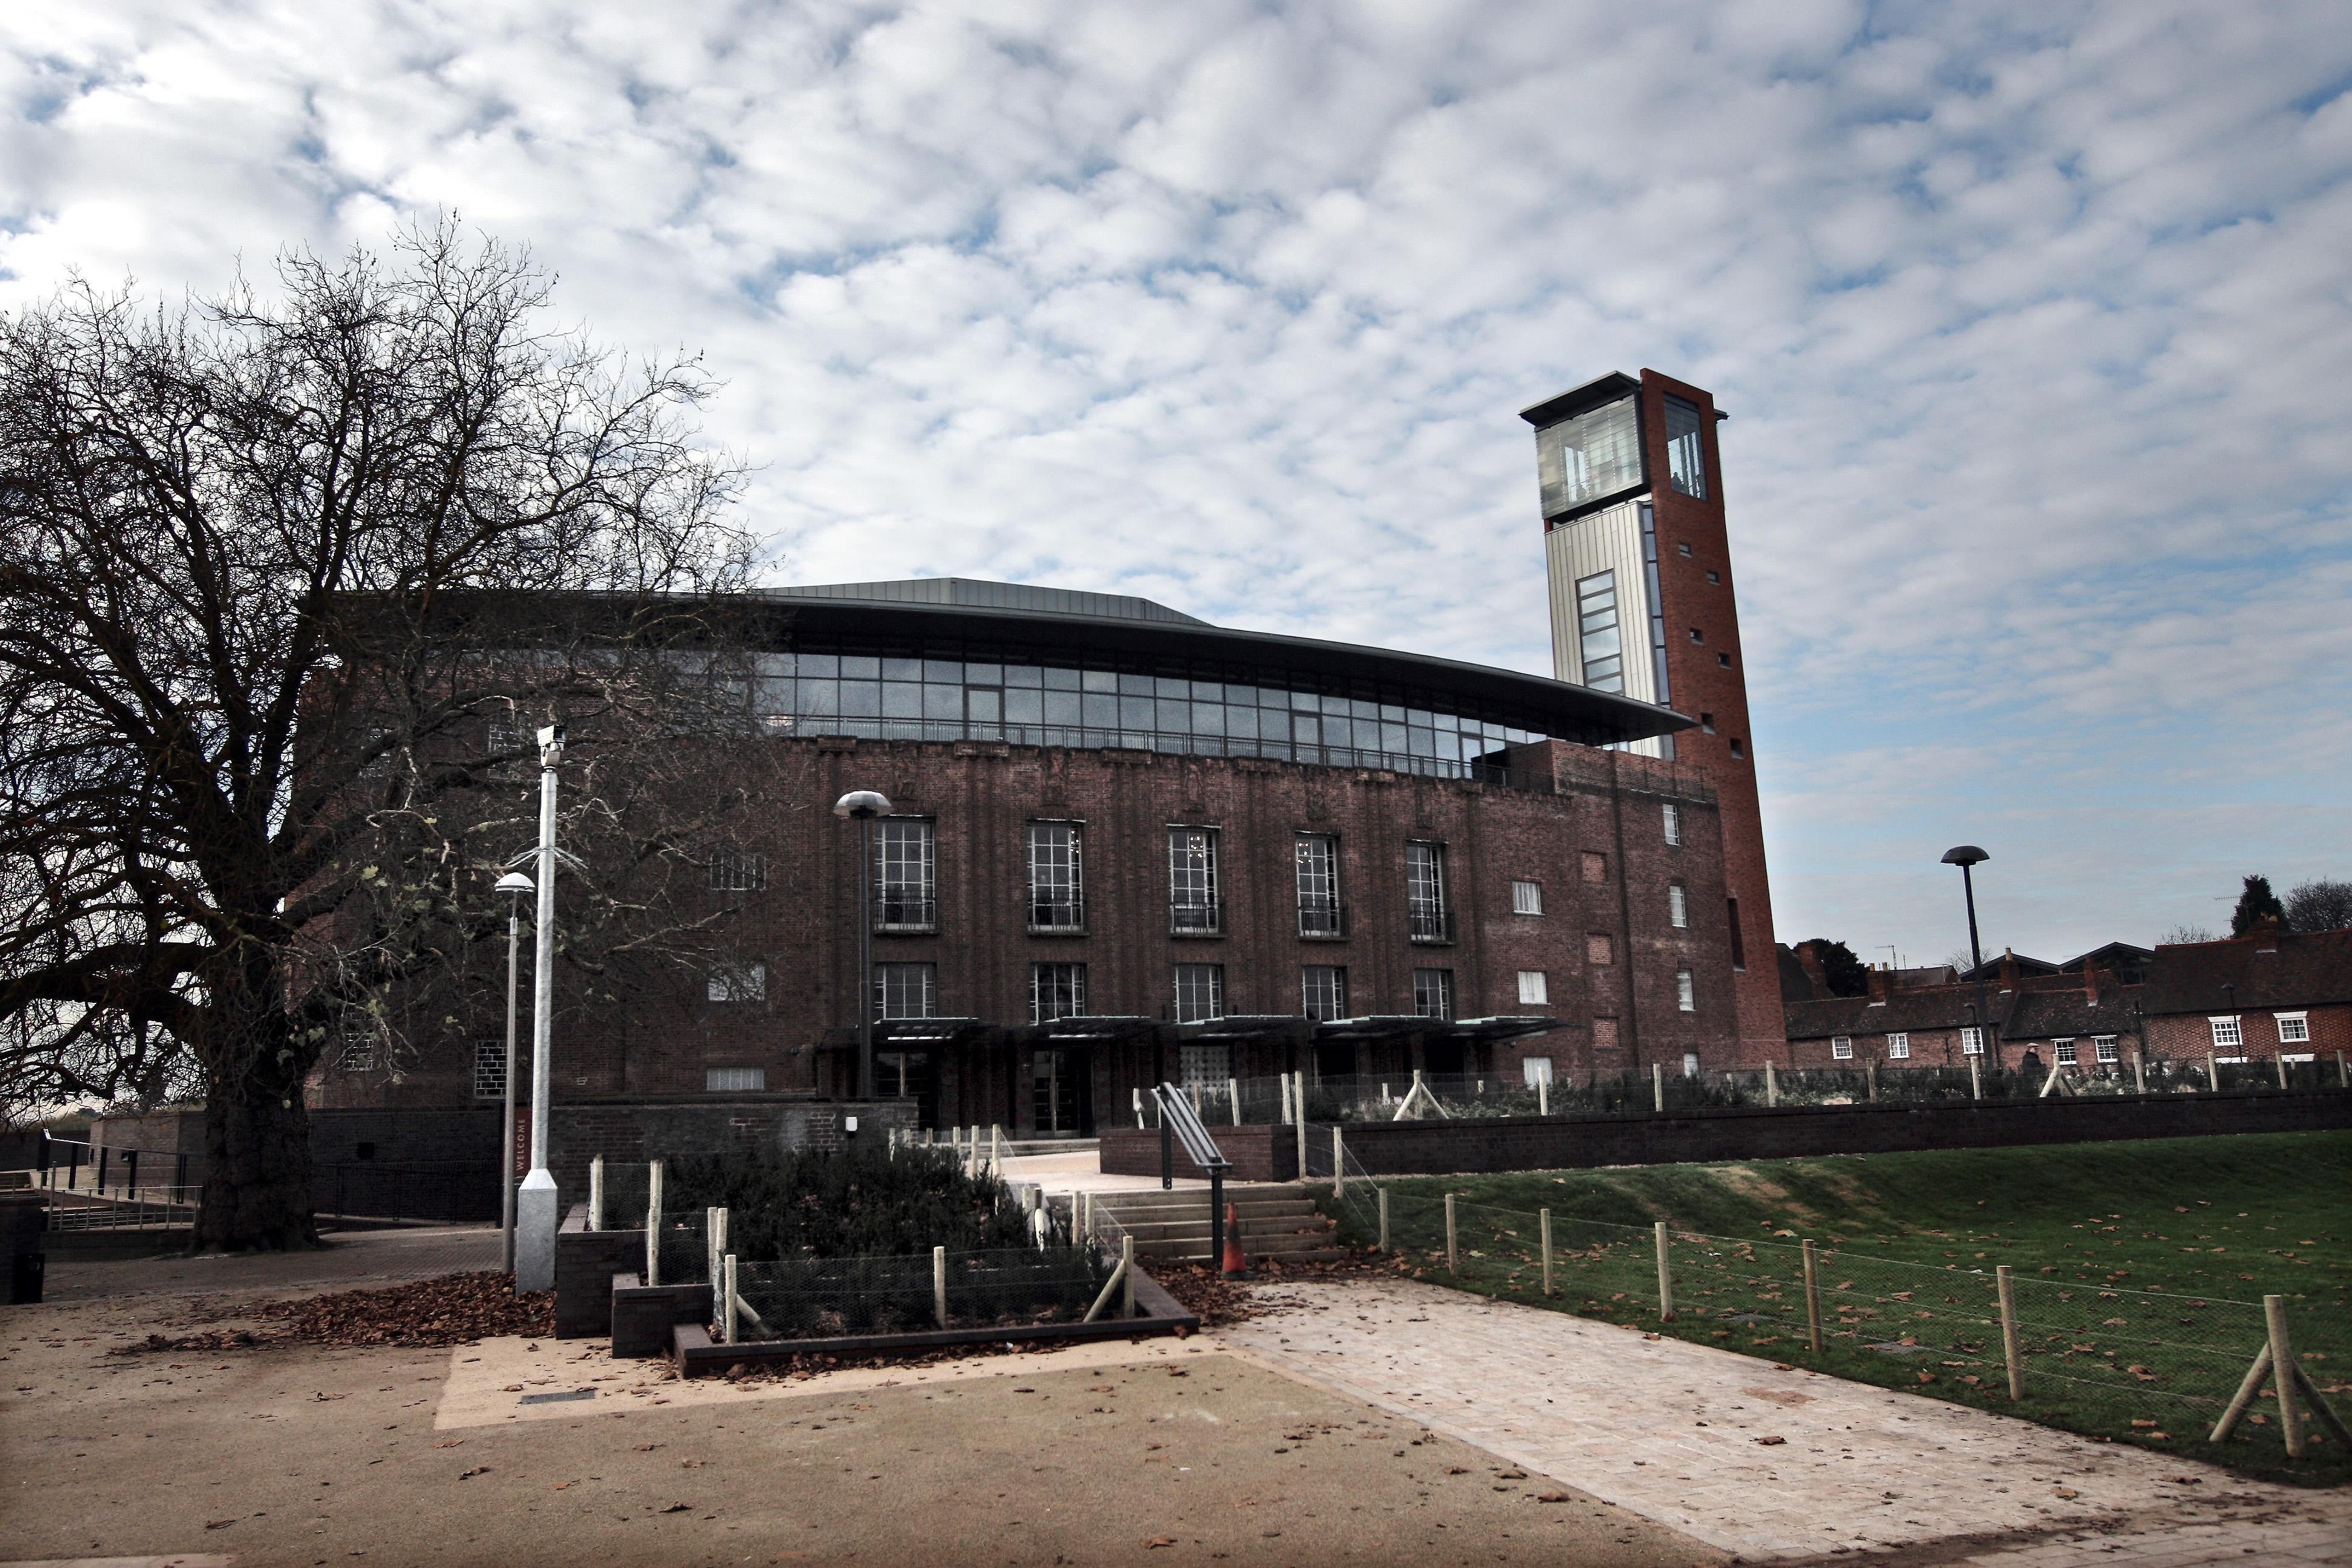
point(1054, 621)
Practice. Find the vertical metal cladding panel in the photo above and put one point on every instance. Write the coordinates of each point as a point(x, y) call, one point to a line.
point(1609, 540)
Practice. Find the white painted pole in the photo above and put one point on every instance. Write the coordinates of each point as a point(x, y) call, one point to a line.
point(1452, 1256)
point(1233, 1094)
point(1302, 1126)
point(1546, 1214)
point(940, 1285)
point(731, 1331)
point(653, 1223)
point(1771, 1084)
point(1384, 1220)
point(536, 1213)
point(1339, 1162)
point(1127, 1274)
point(1658, 1085)
point(1665, 1277)
point(595, 1192)
point(514, 1060)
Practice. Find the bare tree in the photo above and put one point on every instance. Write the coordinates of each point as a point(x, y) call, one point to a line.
point(2184, 933)
point(2320, 904)
point(286, 581)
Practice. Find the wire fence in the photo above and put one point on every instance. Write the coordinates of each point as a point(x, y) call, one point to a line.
point(810, 1298)
point(1368, 1097)
point(2157, 1366)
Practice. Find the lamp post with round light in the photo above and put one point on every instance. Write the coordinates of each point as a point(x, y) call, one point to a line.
point(1965, 855)
point(516, 886)
point(536, 1217)
point(862, 807)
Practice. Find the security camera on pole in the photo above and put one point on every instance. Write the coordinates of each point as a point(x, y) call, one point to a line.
point(862, 807)
point(535, 1214)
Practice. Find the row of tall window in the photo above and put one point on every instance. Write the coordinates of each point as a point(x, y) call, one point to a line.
point(1197, 992)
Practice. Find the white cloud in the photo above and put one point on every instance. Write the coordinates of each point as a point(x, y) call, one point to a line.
point(2032, 320)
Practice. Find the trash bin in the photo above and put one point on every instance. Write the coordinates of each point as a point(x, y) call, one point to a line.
point(21, 1219)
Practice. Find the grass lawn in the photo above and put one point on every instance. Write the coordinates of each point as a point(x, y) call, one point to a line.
point(2140, 1269)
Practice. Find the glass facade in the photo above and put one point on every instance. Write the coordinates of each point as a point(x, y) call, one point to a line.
point(1595, 454)
point(1204, 709)
point(1685, 449)
point(1600, 648)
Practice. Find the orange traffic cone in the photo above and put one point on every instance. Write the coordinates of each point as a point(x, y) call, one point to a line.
point(1234, 1264)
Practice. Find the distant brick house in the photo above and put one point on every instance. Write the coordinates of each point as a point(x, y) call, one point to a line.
point(2270, 994)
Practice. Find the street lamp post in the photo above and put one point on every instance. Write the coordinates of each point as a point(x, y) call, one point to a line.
point(862, 807)
point(536, 1218)
point(514, 884)
point(1965, 855)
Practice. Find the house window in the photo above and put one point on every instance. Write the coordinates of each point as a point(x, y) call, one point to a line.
point(2066, 1052)
point(1534, 1071)
point(1690, 1064)
point(1596, 866)
point(2103, 1048)
point(1899, 1048)
point(1684, 550)
point(905, 874)
point(1207, 1067)
point(1432, 993)
point(1739, 747)
point(1673, 818)
point(1604, 1034)
point(2227, 1036)
point(1323, 992)
point(1319, 884)
point(1686, 451)
point(361, 1051)
point(1677, 906)
point(1535, 988)
point(1738, 939)
point(490, 1070)
point(738, 872)
point(734, 1081)
point(1424, 892)
point(1697, 635)
point(1707, 723)
point(1599, 647)
point(1686, 990)
point(1199, 992)
point(1057, 879)
point(906, 990)
point(1715, 577)
point(2294, 1028)
point(1193, 905)
point(739, 982)
point(509, 744)
point(1842, 1048)
point(1971, 1042)
point(1057, 991)
point(1526, 897)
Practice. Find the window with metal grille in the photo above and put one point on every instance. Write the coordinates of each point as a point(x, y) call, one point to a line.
point(1673, 823)
point(1195, 905)
point(1426, 918)
point(1677, 906)
point(1199, 992)
point(1432, 993)
point(1842, 1048)
point(2227, 1035)
point(1057, 991)
point(734, 1081)
point(2103, 1048)
point(1535, 988)
point(1899, 1048)
point(739, 982)
point(1056, 878)
point(906, 990)
point(1323, 992)
point(490, 1070)
point(1319, 884)
point(1599, 647)
point(738, 872)
point(1685, 449)
point(906, 874)
point(1526, 897)
point(1205, 1068)
point(2066, 1049)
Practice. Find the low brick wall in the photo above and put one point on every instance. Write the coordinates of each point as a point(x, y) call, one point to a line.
point(1475, 1144)
point(585, 1262)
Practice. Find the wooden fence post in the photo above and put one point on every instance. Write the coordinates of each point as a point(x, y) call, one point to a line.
point(1870, 1074)
point(595, 1191)
point(2212, 1074)
point(1543, 1097)
point(1385, 1219)
point(1771, 1084)
point(1547, 1250)
point(2282, 1366)
point(1813, 1299)
point(2343, 1077)
point(2280, 1062)
point(1234, 1093)
point(730, 1330)
point(940, 1285)
point(1453, 1258)
point(1301, 1097)
point(1665, 1277)
point(1127, 1275)
point(1339, 1162)
point(653, 1223)
point(1137, 1094)
point(2007, 1284)
point(1658, 1086)
point(2139, 1071)
point(1976, 1079)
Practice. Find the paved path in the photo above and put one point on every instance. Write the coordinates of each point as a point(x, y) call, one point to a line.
point(1774, 1463)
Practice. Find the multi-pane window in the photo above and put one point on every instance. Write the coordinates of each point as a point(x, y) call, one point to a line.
point(734, 1081)
point(2066, 1049)
point(490, 1070)
point(1592, 455)
point(1971, 1042)
point(1199, 992)
point(906, 874)
point(1432, 993)
point(905, 990)
point(2294, 1028)
point(1194, 903)
point(1424, 892)
point(1056, 878)
point(1899, 1048)
point(1686, 990)
point(2227, 1035)
point(1526, 897)
point(1677, 906)
point(1208, 1067)
point(1600, 647)
point(739, 982)
point(2103, 1048)
point(1535, 988)
point(1057, 991)
point(738, 872)
point(1673, 820)
point(361, 1049)
point(508, 744)
point(1685, 449)
point(1842, 1048)
point(1319, 885)
point(1323, 992)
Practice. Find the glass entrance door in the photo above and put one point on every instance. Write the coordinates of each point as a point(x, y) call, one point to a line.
point(1059, 1093)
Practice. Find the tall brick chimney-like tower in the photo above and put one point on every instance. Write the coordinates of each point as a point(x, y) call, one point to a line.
point(1639, 563)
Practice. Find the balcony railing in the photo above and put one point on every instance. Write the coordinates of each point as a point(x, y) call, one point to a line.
point(1057, 916)
point(1196, 918)
point(1428, 923)
point(898, 913)
point(1322, 917)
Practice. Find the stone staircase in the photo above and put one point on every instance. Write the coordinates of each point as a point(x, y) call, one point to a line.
point(1278, 1221)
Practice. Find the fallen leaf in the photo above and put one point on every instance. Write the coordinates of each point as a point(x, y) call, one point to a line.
point(450, 1444)
point(1553, 1497)
point(2068, 1492)
point(218, 1523)
point(680, 1508)
point(1160, 1541)
point(477, 1470)
point(1771, 1442)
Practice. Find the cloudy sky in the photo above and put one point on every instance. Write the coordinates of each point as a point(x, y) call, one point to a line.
point(2032, 321)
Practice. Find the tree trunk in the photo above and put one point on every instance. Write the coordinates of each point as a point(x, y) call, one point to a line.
point(257, 1168)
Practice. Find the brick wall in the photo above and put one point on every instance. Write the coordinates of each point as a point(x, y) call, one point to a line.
point(2187, 1036)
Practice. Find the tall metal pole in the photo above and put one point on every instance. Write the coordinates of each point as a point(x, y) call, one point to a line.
point(506, 1137)
point(865, 958)
point(536, 1209)
point(1968, 890)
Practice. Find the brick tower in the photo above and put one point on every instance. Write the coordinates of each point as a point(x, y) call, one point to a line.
point(1639, 564)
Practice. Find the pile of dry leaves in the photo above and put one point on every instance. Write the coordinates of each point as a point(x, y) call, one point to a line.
point(456, 1308)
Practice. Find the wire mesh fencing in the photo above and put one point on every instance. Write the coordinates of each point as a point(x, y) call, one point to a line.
point(819, 1297)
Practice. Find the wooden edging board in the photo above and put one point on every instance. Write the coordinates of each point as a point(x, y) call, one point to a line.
point(1157, 1312)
